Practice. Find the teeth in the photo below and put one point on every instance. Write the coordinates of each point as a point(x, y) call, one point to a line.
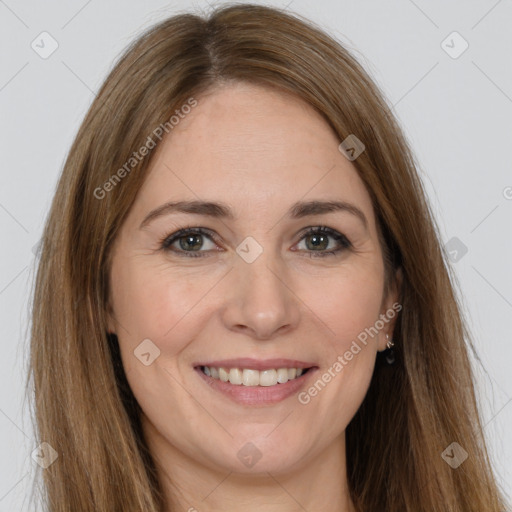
point(248, 377)
point(282, 375)
point(223, 374)
point(235, 376)
point(268, 378)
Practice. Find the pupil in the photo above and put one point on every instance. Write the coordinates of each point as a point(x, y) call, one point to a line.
point(190, 239)
point(315, 239)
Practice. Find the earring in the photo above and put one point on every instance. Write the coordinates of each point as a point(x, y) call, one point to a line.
point(390, 354)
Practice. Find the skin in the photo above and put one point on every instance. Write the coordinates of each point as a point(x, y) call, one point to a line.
point(259, 151)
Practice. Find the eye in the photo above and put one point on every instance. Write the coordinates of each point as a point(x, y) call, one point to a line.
point(190, 240)
point(319, 239)
point(187, 238)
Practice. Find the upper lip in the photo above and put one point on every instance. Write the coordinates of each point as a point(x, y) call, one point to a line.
point(256, 364)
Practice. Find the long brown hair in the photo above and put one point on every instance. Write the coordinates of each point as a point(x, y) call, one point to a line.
point(83, 406)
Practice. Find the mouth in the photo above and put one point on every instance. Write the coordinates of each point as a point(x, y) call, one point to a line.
point(255, 382)
point(251, 377)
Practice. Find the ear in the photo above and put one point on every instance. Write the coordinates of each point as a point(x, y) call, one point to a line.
point(111, 323)
point(390, 309)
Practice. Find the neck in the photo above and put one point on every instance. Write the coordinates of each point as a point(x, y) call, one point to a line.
point(318, 484)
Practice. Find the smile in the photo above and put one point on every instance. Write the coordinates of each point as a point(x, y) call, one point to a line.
point(249, 377)
point(256, 382)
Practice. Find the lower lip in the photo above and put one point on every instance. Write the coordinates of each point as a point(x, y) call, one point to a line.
point(257, 395)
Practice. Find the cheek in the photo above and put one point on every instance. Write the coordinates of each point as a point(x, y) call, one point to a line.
point(151, 300)
point(172, 306)
point(349, 306)
point(347, 303)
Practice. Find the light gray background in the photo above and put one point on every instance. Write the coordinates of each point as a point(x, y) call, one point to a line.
point(456, 112)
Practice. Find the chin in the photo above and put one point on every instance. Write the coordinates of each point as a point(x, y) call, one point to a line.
point(262, 453)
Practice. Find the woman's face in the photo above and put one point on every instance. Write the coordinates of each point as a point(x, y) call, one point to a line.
point(253, 290)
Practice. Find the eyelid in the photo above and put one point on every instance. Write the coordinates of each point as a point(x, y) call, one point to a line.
point(170, 238)
point(340, 237)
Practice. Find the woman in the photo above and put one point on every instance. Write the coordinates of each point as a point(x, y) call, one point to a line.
point(242, 301)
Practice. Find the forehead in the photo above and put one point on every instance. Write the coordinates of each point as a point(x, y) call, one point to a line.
point(247, 145)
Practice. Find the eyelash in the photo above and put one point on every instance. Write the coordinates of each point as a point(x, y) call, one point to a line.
point(168, 240)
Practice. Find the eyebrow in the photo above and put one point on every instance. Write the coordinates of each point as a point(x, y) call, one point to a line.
point(219, 210)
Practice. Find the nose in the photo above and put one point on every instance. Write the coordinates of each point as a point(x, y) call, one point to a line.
point(258, 301)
